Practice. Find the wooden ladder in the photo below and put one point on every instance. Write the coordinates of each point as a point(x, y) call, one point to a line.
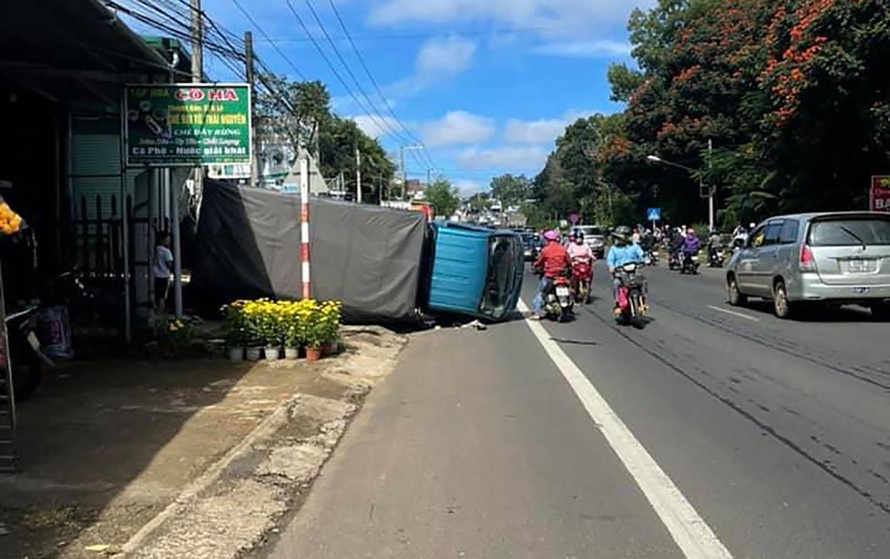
point(8, 455)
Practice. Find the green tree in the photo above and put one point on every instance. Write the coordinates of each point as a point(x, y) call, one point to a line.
point(297, 109)
point(443, 197)
point(302, 111)
point(511, 190)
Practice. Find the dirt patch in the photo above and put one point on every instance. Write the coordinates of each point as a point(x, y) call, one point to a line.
point(108, 447)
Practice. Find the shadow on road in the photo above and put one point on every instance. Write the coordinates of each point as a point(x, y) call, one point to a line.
point(816, 313)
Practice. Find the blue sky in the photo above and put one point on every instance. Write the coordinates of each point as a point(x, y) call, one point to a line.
point(487, 85)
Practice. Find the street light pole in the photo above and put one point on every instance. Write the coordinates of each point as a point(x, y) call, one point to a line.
point(711, 188)
point(701, 184)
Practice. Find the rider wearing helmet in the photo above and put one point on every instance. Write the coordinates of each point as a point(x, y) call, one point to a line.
point(622, 252)
point(578, 248)
point(553, 261)
point(692, 244)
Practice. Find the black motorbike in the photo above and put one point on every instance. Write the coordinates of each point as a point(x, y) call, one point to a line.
point(690, 263)
point(715, 257)
point(674, 260)
point(27, 359)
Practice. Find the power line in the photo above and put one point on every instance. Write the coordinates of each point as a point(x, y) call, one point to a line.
point(333, 68)
point(266, 36)
point(433, 34)
point(381, 121)
point(370, 75)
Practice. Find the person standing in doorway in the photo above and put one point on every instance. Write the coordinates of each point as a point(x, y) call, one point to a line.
point(163, 263)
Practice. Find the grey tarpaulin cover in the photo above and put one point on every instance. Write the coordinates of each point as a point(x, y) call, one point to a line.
point(248, 246)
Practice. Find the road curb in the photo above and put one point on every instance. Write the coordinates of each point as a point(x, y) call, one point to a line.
point(266, 428)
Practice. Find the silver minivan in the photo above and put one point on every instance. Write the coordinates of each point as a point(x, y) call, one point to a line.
point(838, 258)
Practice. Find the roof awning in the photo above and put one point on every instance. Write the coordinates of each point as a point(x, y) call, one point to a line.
point(74, 51)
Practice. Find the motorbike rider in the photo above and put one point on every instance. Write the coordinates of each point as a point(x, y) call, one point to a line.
point(553, 261)
point(691, 245)
point(675, 244)
point(578, 248)
point(622, 252)
point(713, 244)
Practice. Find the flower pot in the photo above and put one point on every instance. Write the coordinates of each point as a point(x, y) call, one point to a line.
point(291, 353)
point(313, 354)
point(273, 353)
point(254, 353)
point(236, 354)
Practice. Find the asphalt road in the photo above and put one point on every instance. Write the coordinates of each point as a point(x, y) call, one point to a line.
point(776, 432)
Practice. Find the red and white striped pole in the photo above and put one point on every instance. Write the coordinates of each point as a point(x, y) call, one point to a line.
point(304, 228)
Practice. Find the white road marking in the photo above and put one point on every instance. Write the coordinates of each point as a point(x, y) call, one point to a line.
point(692, 534)
point(733, 313)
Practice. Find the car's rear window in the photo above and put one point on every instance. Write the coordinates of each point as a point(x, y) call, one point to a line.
point(590, 230)
point(850, 231)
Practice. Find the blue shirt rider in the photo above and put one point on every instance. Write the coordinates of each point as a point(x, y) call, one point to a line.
point(621, 253)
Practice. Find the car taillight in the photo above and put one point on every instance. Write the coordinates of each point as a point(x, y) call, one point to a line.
point(807, 260)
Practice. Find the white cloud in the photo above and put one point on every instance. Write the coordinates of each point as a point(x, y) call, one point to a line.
point(600, 48)
point(540, 131)
point(457, 127)
point(450, 56)
point(514, 157)
point(438, 59)
point(550, 17)
point(377, 126)
point(468, 187)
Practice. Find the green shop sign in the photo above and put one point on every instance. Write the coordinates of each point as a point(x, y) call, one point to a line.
point(187, 125)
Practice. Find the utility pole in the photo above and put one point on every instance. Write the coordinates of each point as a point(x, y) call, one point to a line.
point(711, 187)
point(358, 175)
point(404, 173)
point(429, 177)
point(197, 77)
point(248, 57)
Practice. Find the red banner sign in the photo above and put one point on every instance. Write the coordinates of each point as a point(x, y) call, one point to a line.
point(879, 195)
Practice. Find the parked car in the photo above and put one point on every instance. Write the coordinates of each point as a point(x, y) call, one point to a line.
point(829, 258)
point(595, 237)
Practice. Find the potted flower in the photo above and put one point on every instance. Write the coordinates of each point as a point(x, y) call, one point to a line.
point(330, 317)
point(236, 334)
point(253, 336)
point(270, 329)
point(312, 329)
point(291, 329)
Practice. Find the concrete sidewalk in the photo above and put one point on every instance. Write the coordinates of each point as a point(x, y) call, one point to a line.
point(474, 447)
point(106, 447)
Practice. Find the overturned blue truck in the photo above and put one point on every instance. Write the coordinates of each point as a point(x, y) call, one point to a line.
point(385, 265)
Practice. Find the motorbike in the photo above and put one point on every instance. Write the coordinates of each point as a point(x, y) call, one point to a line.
point(631, 306)
point(559, 300)
point(652, 258)
point(690, 264)
point(674, 262)
point(27, 358)
point(715, 257)
point(582, 277)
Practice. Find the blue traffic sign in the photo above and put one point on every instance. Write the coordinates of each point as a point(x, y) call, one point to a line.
point(653, 214)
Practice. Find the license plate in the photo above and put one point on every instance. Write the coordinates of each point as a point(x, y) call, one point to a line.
point(861, 290)
point(562, 291)
point(861, 266)
point(695, 258)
